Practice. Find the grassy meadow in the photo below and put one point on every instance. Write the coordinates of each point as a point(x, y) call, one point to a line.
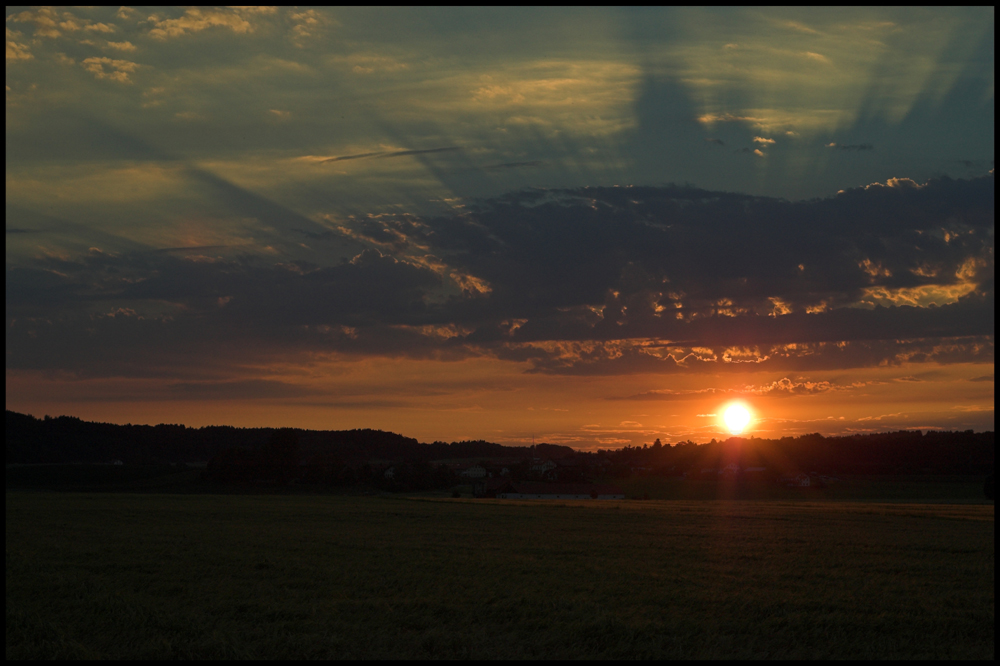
point(920, 489)
point(114, 575)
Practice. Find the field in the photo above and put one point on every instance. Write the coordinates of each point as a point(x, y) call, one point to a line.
point(921, 489)
point(113, 575)
point(186, 479)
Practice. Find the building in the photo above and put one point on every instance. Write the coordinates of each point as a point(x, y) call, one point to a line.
point(474, 472)
point(540, 467)
point(798, 481)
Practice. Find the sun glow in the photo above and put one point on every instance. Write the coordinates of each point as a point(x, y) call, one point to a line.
point(736, 417)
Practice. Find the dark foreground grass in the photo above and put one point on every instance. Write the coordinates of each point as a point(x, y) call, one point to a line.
point(919, 489)
point(161, 576)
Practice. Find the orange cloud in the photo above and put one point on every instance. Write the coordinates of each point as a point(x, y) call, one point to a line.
point(108, 68)
point(196, 20)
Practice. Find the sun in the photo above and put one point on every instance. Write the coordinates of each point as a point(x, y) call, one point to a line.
point(737, 417)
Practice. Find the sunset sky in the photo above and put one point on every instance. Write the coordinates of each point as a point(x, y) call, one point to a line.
point(593, 227)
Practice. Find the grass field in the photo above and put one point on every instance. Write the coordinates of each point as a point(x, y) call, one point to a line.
point(238, 576)
point(186, 479)
point(921, 489)
point(93, 477)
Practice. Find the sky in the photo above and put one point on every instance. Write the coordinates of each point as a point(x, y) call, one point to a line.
point(591, 227)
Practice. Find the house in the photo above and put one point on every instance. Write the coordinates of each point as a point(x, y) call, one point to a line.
point(799, 480)
point(539, 490)
point(540, 467)
point(474, 472)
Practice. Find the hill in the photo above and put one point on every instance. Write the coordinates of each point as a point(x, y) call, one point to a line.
point(68, 439)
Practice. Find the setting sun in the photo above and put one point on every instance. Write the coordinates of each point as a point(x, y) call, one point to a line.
point(736, 417)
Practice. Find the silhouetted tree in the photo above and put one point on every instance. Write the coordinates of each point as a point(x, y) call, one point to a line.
point(281, 455)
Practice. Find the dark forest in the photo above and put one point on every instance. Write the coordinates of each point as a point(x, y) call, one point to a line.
point(71, 440)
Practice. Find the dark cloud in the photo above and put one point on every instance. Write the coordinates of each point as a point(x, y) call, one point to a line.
point(856, 146)
point(513, 165)
point(246, 389)
point(976, 165)
point(597, 280)
point(617, 358)
point(780, 388)
point(396, 153)
point(358, 156)
point(191, 248)
point(670, 395)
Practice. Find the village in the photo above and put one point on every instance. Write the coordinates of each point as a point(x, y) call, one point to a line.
point(583, 476)
point(563, 474)
point(373, 461)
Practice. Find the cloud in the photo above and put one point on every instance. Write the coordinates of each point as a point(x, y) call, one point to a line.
point(361, 63)
point(50, 23)
point(197, 20)
point(108, 68)
point(856, 147)
point(780, 388)
point(308, 25)
point(712, 118)
point(669, 395)
point(760, 139)
point(786, 387)
point(122, 46)
point(895, 415)
point(243, 389)
point(46, 21)
point(982, 378)
point(513, 165)
point(798, 27)
point(15, 50)
point(383, 154)
point(586, 281)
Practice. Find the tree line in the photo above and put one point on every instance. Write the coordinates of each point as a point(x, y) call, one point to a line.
point(68, 439)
